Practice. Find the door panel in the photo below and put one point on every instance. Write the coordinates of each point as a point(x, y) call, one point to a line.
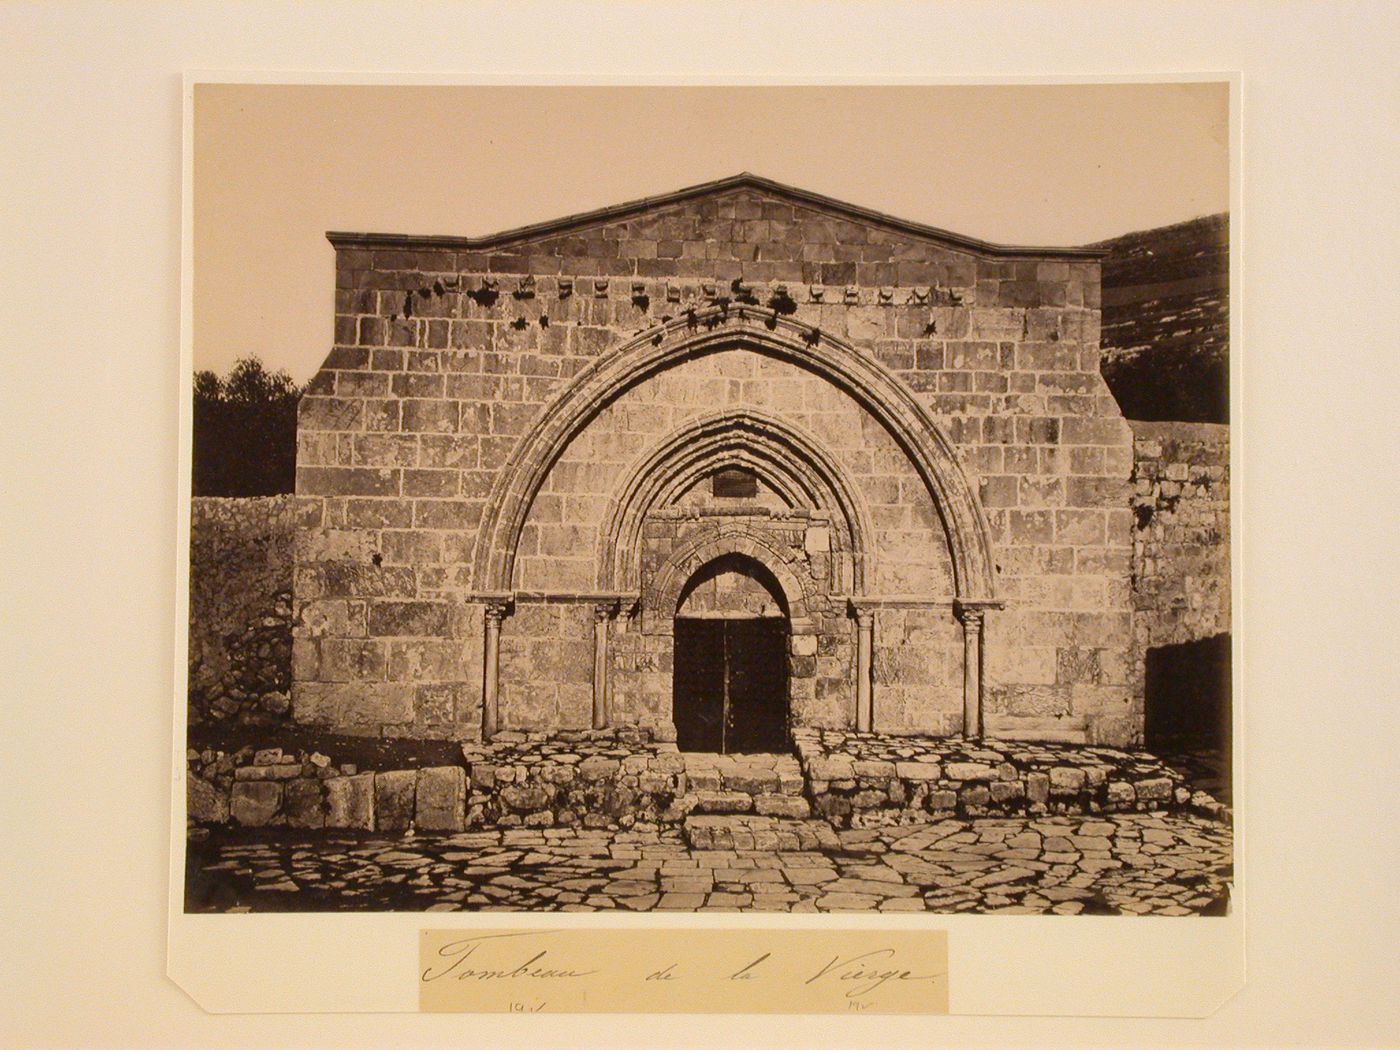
point(729, 686)
point(756, 654)
point(697, 696)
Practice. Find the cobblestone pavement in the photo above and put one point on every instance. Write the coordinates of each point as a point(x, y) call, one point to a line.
point(1121, 864)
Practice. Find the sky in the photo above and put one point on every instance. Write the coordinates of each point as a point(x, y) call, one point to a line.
point(276, 166)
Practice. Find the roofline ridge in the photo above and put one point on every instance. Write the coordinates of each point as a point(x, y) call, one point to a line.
point(729, 183)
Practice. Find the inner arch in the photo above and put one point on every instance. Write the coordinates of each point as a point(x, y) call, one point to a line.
point(790, 461)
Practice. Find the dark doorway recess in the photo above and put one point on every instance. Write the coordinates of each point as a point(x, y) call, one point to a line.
point(729, 692)
point(1188, 709)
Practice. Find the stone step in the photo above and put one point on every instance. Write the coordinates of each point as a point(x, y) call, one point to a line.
point(751, 775)
point(747, 832)
point(1037, 729)
point(769, 804)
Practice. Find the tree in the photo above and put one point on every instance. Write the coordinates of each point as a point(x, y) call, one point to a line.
point(245, 431)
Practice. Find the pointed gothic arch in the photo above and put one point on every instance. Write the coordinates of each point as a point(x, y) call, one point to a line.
point(728, 327)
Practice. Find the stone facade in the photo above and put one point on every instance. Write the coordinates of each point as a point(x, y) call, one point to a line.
point(506, 463)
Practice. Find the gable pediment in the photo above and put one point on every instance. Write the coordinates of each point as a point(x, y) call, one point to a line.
point(718, 211)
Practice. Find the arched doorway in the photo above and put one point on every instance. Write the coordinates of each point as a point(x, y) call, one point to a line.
point(730, 669)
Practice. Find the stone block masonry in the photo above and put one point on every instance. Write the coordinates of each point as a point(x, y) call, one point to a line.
point(297, 790)
point(525, 420)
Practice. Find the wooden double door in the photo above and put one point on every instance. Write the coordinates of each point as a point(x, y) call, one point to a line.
point(730, 685)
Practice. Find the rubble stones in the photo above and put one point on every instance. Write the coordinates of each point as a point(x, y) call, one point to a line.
point(929, 776)
point(601, 780)
point(205, 803)
point(241, 553)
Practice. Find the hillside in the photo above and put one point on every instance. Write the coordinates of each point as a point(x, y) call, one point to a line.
point(1166, 321)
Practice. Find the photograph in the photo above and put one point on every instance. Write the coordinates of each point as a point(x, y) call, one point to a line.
point(743, 498)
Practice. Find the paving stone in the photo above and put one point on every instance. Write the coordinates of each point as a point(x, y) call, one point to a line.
point(954, 865)
point(680, 901)
point(846, 902)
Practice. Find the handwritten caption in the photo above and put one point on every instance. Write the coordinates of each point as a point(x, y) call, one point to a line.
point(683, 971)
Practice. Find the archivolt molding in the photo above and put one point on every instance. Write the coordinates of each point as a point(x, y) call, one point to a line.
point(790, 460)
point(662, 597)
point(707, 331)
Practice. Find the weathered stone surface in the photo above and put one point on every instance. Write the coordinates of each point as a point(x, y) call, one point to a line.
point(940, 800)
point(350, 802)
point(523, 797)
point(1121, 794)
point(597, 767)
point(919, 770)
point(267, 772)
point(782, 806)
point(204, 802)
point(968, 771)
point(302, 804)
point(353, 704)
point(1066, 780)
point(837, 768)
point(394, 799)
point(751, 780)
point(1155, 790)
point(877, 769)
point(440, 799)
point(723, 802)
point(668, 763)
point(255, 803)
point(1038, 787)
point(1006, 791)
point(241, 557)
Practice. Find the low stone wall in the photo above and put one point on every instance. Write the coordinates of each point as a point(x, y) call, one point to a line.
point(620, 778)
point(592, 779)
point(617, 779)
point(241, 554)
point(1181, 539)
point(870, 780)
point(270, 788)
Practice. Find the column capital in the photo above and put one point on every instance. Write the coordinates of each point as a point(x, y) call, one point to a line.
point(971, 614)
point(496, 608)
point(605, 611)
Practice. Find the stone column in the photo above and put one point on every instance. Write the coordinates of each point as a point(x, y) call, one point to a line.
point(602, 613)
point(971, 618)
point(865, 706)
point(491, 669)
